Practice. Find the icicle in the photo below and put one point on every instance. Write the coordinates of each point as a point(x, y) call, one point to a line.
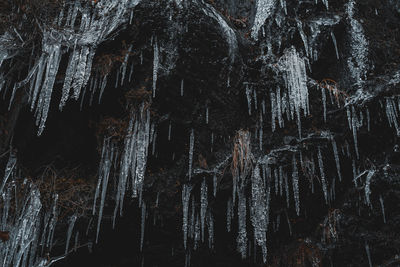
point(206, 114)
point(191, 148)
point(104, 172)
point(182, 87)
point(324, 102)
point(264, 11)
point(125, 64)
point(263, 106)
point(391, 114)
point(286, 188)
point(155, 68)
point(143, 221)
point(131, 72)
point(215, 185)
point(229, 214)
point(169, 131)
point(382, 208)
point(358, 62)
point(323, 180)
point(296, 82)
point(367, 188)
point(273, 110)
point(368, 121)
point(336, 156)
point(242, 232)
point(368, 254)
point(248, 95)
point(196, 232)
point(71, 224)
point(210, 226)
point(259, 212)
point(335, 45)
point(12, 161)
point(76, 241)
point(278, 107)
point(283, 5)
point(185, 204)
point(354, 125)
point(204, 206)
point(295, 181)
point(302, 35)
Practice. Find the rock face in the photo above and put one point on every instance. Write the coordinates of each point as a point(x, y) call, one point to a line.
point(193, 133)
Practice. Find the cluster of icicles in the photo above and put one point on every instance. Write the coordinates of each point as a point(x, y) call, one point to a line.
point(263, 175)
point(95, 24)
point(31, 228)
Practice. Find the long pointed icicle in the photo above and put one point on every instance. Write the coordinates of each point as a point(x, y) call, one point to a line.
point(72, 220)
point(191, 148)
point(323, 180)
point(336, 156)
point(203, 206)
point(295, 180)
point(185, 204)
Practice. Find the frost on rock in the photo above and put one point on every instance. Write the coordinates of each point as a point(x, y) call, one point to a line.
point(295, 76)
point(358, 60)
point(264, 11)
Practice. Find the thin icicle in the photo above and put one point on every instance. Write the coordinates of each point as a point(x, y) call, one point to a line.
point(182, 87)
point(324, 101)
point(323, 180)
point(367, 188)
point(249, 99)
point(336, 156)
point(191, 148)
point(382, 208)
point(229, 215)
point(71, 224)
point(335, 44)
point(368, 254)
point(155, 68)
point(203, 206)
point(295, 181)
point(185, 204)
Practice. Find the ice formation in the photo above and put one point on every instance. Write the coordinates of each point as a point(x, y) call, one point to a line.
point(358, 60)
point(95, 25)
point(264, 11)
point(295, 76)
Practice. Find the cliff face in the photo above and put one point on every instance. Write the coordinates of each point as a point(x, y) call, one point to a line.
point(226, 133)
